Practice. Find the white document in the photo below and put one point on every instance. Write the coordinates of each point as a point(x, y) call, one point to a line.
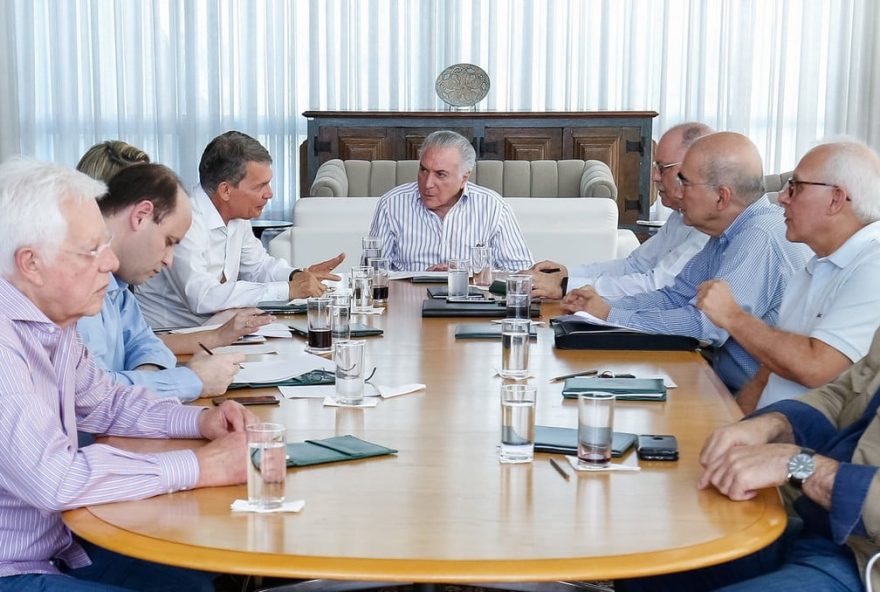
point(291, 365)
point(597, 321)
point(366, 403)
point(573, 461)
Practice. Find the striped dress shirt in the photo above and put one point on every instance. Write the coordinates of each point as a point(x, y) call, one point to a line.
point(754, 257)
point(415, 238)
point(50, 386)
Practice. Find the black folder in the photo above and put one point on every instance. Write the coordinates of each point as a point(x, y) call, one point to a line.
point(485, 331)
point(565, 440)
point(575, 333)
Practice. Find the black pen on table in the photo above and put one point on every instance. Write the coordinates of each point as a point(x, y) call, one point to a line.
point(559, 469)
point(205, 349)
point(573, 375)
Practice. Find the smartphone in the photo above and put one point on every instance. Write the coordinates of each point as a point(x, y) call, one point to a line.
point(658, 447)
point(252, 400)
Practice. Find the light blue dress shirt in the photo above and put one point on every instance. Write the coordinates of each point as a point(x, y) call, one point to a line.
point(120, 340)
point(753, 257)
point(653, 265)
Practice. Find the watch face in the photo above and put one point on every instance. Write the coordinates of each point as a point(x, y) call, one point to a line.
point(801, 466)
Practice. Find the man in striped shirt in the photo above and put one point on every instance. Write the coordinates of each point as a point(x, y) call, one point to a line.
point(441, 216)
point(55, 265)
point(722, 188)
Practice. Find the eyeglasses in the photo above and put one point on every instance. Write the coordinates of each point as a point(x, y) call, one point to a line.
point(684, 182)
point(792, 186)
point(97, 251)
point(662, 167)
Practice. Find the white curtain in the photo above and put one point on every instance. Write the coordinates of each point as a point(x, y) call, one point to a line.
point(168, 75)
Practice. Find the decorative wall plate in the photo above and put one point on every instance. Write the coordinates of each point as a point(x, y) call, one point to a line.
point(462, 85)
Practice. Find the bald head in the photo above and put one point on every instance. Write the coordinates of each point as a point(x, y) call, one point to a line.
point(731, 160)
point(668, 155)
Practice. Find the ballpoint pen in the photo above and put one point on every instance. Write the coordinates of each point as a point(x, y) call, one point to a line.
point(559, 469)
point(205, 349)
point(564, 376)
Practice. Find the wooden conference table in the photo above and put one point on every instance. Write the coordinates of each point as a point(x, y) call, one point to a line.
point(444, 509)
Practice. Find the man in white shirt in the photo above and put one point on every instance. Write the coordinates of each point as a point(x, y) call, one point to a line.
point(655, 263)
point(441, 216)
point(220, 264)
point(831, 308)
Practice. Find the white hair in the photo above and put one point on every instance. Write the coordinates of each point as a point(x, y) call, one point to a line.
point(31, 194)
point(855, 166)
point(449, 139)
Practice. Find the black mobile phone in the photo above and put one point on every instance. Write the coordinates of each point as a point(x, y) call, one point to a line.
point(253, 400)
point(658, 447)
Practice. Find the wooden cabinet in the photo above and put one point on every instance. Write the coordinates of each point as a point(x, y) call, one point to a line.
point(621, 139)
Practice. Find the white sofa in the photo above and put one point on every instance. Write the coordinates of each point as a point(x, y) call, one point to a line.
point(509, 178)
point(567, 230)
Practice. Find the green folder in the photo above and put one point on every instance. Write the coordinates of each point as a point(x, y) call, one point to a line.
point(281, 307)
point(308, 379)
point(357, 329)
point(626, 389)
point(336, 449)
point(485, 331)
point(565, 440)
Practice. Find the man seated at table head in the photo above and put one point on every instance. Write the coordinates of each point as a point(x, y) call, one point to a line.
point(825, 444)
point(831, 307)
point(55, 262)
point(147, 212)
point(441, 216)
point(220, 264)
point(656, 262)
point(722, 188)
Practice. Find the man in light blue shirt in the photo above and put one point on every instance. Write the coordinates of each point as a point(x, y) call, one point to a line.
point(654, 264)
point(722, 188)
point(147, 212)
point(831, 308)
point(441, 216)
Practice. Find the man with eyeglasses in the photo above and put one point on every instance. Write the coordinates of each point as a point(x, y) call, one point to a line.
point(722, 188)
point(656, 262)
point(55, 266)
point(831, 308)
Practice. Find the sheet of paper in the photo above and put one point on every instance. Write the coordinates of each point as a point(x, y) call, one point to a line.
point(573, 461)
point(321, 391)
point(245, 506)
point(596, 320)
point(395, 391)
point(292, 364)
point(274, 330)
point(366, 403)
point(248, 350)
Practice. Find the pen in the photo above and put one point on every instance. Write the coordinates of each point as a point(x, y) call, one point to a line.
point(205, 349)
point(559, 469)
point(551, 270)
point(564, 376)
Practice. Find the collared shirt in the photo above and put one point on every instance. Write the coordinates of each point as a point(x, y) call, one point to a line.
point(120, 340)
point(216, 266)
point(753, 257)
point(49, 387)
point(835, 299)
point(415, 238)
point(653, 265)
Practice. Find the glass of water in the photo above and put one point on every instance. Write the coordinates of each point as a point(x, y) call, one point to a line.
point(340, 315)
point(519, 296)
point(371, 247)
point(517, 423)
point(349, 358)
point(361, 290)
point(267, 465)
point(381, 267)
point(515, 348)
point(457, 282)
point(481, 261)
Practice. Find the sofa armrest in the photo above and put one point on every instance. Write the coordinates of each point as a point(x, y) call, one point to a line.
point(626, 242)
point(331, 180)
point(282, 246)
point(597, 180)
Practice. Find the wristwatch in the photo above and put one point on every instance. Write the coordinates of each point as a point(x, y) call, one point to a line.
point(800, 467)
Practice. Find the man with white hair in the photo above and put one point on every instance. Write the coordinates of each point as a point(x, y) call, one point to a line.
point(441, 216)
point(55, 263)
point(831, 308)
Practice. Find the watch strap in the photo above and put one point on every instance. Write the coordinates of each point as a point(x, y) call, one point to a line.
point(797, 482)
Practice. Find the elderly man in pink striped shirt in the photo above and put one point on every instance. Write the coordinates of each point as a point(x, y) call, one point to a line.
point(54, 269)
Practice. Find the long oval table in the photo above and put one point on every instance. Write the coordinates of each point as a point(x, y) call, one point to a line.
point(444, 509)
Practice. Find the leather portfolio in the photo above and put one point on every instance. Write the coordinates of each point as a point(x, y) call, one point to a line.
point(438, 307)
point(574, 333)
point(625, 389)
point(565, 440)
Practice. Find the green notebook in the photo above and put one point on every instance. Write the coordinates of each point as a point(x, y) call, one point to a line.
point(626, 389)
point(336, 449)
point(282, 307)
point(308, 379)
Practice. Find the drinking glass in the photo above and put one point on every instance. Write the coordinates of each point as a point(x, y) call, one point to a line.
point(362, 290)
point(318, 310)
point(481, 262)
point(457, 281)
point(517, 423)
point(595, 426)
point(267, 465)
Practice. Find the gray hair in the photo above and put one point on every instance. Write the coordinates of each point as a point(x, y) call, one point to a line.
point(448, 139)
point(855, 166)
point(691, 132)
point(226, 157)
point(31, 194)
